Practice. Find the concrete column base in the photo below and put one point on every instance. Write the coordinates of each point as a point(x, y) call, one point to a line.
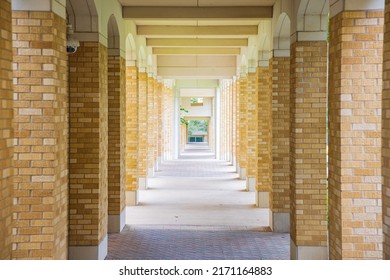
point(117, 222)
point(89, 252)
point(281, 222)
point(242, 173)
point(142, 183)
point(263, 199)
point(151, 172)
point(308, 252)
point(131, 198)
point(251, 184)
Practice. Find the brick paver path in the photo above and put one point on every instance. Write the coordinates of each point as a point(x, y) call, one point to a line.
point(196, 209)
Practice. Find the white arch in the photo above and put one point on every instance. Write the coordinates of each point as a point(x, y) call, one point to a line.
point(131, 48)
point(142, 62)
point(312, 15)
point(281, 36)
point(82, 15)
point(113, 34)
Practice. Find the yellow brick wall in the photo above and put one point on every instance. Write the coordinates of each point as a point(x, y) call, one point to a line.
point(308, 143)
point(41, 136)
point(253, 126)
point(123, 133)
point(116, 145)
point(280, 70)
point(386, 136)
point(355, 91)
point(243, 127)
point(142, 125)
point(131, 127)
point(183, 137)
point(167, 125)
point(236, 122)
point(151, 122)
point(6, 131)
point(88, 144)
point(160, 118)
point(264, 181)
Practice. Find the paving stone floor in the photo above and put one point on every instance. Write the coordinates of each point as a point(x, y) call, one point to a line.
point(196, 208)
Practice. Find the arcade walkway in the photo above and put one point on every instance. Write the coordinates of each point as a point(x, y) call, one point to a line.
point(197, 208)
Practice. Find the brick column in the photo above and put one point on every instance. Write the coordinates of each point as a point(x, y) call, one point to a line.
point(151, 126)
point(355, 92)
point(116, 143)
point(142, 130)
point(131, 135)
point(88, 152)
point(6, 130)
point(243, 128)
point(280, 71)
point(41, 136)
point(160, 124)
point(252, 124)
point(156, 125)
point(264, 136)
point(308, 150)
point(236, 113)
point(386, 136)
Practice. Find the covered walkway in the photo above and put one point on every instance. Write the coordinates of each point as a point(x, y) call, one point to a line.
point(197, 208)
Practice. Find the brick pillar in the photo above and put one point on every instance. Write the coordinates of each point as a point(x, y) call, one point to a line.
point(88, 152)
point(355, 92)
point(131, 135)
point(280, 71)
point(6, 130)
point(116, 143)
point(160, 123)
point(236, 118)
point(243, 128)
point(264, 136)
point(308, 150)
point(151, 126)
point(386, 136)
point(41, 136)
point(252, 125)
point(142, 130)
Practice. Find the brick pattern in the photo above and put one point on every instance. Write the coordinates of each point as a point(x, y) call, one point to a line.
point(142, 125)
point(160, 119)
point(222, 121)
point(151, 122)
point(131, 127)
point(41, 136)
point(308, 143)
point(355, 92)
point(183, 137)
point(155, 122)
point(236, 122)
point(230, 121)
point(386, 136)
point(116, 144)
point(88, 144)
point(264, 181)
point(253, 126)
point(243, 128)
point(280, 70)
point(167, 125)
point(6, 130)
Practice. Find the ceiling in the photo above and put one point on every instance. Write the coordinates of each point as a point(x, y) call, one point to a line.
point(198, 39)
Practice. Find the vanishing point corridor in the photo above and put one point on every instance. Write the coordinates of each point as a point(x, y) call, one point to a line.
point(196, 208)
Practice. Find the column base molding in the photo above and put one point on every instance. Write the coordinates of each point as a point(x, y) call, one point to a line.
point(308, 252)
point(89, 252)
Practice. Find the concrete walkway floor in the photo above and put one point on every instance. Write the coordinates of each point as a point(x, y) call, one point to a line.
point(197, 208)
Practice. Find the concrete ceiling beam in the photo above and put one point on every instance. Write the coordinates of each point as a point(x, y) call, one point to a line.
point(164, 12)
point(179, 30)
point(190, 42)
point(196, 51)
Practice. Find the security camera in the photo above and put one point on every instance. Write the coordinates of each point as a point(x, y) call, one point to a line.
point(71, 43)
point(71, 49)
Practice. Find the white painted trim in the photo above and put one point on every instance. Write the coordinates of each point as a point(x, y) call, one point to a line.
point(308, 252)
point(264, 200)
point(243, 173)
point(251, 184)
point(132, 198)
point(116, 223)
point(55, 6)
point(263, 63)
point(338, 6)
point(312, 36)
point(89, 252)
point(281, 53)
point(142, 183)
point(281, 222)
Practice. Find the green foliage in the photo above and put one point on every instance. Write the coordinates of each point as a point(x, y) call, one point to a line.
point(183, 120)
point(197, 125)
